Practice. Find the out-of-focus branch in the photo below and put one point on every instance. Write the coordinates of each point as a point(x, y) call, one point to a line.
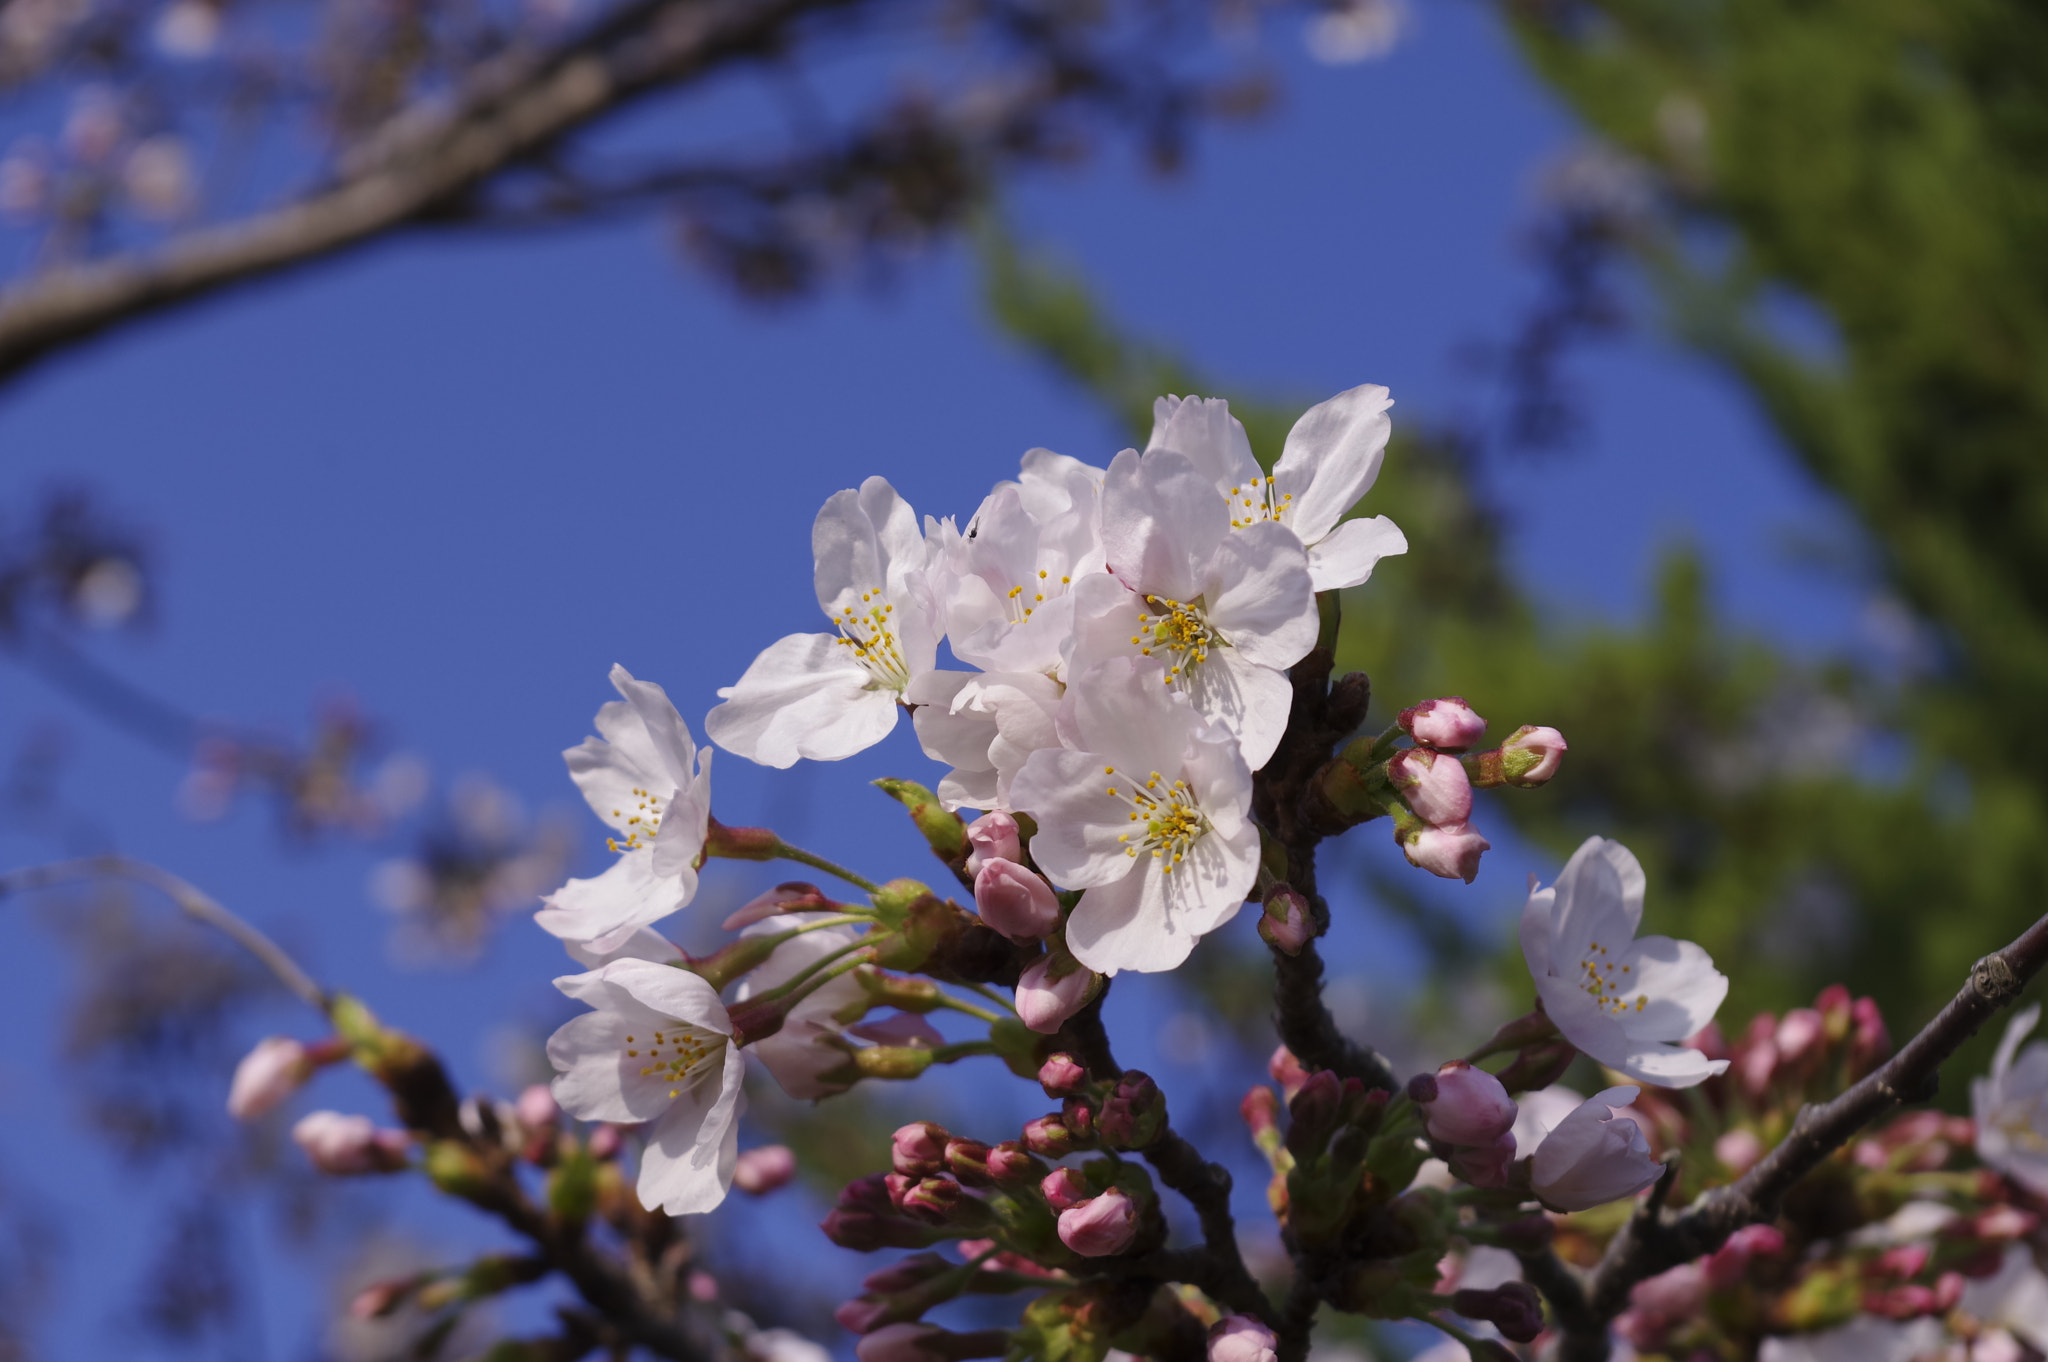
point(423, 161)
point(192, 901)
point(1656, 1240)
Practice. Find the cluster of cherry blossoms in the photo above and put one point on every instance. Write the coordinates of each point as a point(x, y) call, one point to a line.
point(1142, 738)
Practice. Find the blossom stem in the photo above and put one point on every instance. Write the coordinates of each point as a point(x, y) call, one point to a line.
point(785, 852)
point(961, 1005)
point(192, 901)
point(821, 972)
point(983, 990)
point(965, 1049)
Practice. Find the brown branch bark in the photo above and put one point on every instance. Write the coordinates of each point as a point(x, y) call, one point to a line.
point(1656, 1240)
point(425, 159)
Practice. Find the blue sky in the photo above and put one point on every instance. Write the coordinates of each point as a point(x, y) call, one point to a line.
point(460, 478)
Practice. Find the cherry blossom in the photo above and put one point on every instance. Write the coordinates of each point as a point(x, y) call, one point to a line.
point(1595, 1155)
point(2010, 1106)
point(984, 725)
point(827, 696)
point(645, 778)
point(810, 1042)
point(657, 1049)
point(1626, 1002)
point(1224, 613)
point(1331, 459)
point(1146, 809)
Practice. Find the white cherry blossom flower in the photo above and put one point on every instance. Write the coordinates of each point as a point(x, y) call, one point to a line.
point(1224, 613)
point(1146, 809)
point(656, 1049)
point(2015, 1298)
point(1627, 1002)
point(1003, 587)
point(984, 725)
point(646, 779)
point(2010, 1106)
point(809, 1045)
point(827, 696)
point(1595, 1155)
point(1330, 461)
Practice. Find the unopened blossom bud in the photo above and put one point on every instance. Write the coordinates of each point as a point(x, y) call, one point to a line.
point(1870, 1044)
point(1594, 1155)
point(344, 1145)
point(1738, 1150)
point(905, 1273)
point(1080, 1118)
point(1449, 724)
point(1287, 1071)
point(1052, 1137)
point(1312, 1115)
point(1240, 1338)
point(1799, 1035)
point(1422, 1089)
point(1100, 1226)
point(1470, 1107)
point(1450, 851)
point(1513, 1307)
point(1062, 1075)
point(758, 1172)
point(536, 1106)
point(1729, 1265)
point(267, 1075)
point(1010, 1164)
point(1134, 1115)
point(1064, 1188)
point(992, 837)
point(605, 1142)
point(1484, 1165)
point(1261, 1112)
point(941, 1201)
point(1046, 998)
point(1286, 925)
point(1434, 785)
point(918, 1150)
point(1531, 755)
point(379, 1299)
point(967, 1160)
point(1014, 900)
point(864, 1314)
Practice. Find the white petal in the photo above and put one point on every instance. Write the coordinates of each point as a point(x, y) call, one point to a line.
point(642, 943)
point(1205, 432)
point(683, 827)
point(672, 992)
point(1347, 555)
point(1682, 987)
point(1259, 597)
point(1595, 905)
point(2016, 1031)
point(666, 731)
point(1339, 444)
point(864, 540)
point(1668, 1066)
point(1249, 701)
point(1124, 711)
point(803, 697)
point(957, 736)
point(686, 1168)
point(1078, 821)
point(1161, 522)
point(1123, 925)
point(1537, 928)
point(604, 911)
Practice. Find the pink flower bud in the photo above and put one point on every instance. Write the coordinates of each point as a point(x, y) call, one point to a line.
point(1286, 925)
point(1044, 1002)
point(1729, 1264)
point(758, 1172)
point(266, 1076)
point(1261, 1111)
point(1286, 1070)
point(915, 1270)
point(1014, 901)
point(1451, 851)
point(1240, 1338)
point(1469, 1106)
point(1101, 1226)
point(1062, 1075)
point(1009, 1163)
point(1870, 1044)
point(379, 1299)
point(1449, 724)
point(918, 1150)
point(1064, 1188)
point(1436, 787)
point(1738, 1150)
point(344, 1145)
point(1485, 1165)
point(536, 1106)
point(605, 1142)
point(1799, 1035)
point(1051, 1136)
point(1531, 755)
point(863, 1314)
point(702, 1286)
point(992, 837)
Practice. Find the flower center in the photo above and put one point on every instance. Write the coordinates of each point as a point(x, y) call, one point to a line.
point(1021, 602)
point(1256, 501)
point(1172, 821)
point(678, 1055)
point(1181, 630)
point(646, 818)
point(869, 633)
point(1607, 983)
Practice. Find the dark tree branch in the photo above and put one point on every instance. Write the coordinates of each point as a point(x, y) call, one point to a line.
point(1657, 1240)
point(1207, 1188)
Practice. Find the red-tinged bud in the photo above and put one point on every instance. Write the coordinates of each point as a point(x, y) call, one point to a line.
point(605, 1142)
point(1015, 901)
point(1134, 1115)
point(344, 1146)
point(791, 896)
point(1484, 1165)
point(870, 1193)
point(1261, 1112)
point(1240, 1338)
point(1312, 1115)
point(1062, 1075)
point(1434, 785)
point(1833, 1005)
point(760, 1171)
point(380, 1299)
point(1903, 1261)
point(1470, 1107)
point(1450, 851)
point(1052, 1137)
point(967, 1160)
point(864, 1314)
point(1532, 755)
point(1449, 724)
point(906, 1273)
point(1064, 1188)
point(1948, 1292)
point(1286, 924)
point(1422, 1089)
point(1104, 1225)
point(1286, 1070)
point(1010, 1165)
point(908, 1342)
point(740, 844)
point(1729, 1265)
point(536, 1107)
point(941, 1201)
point(267, 1075)
point(1709, 1041)
point(1080, 1118)
point(1801, 1033)
point(918, 1150)
point(2002, 1223)
point(1738, 1150)
point(1538, 1066)
point(1870, 1044)
point(992, 837)
point(1053, 988)
point(1513, 1307)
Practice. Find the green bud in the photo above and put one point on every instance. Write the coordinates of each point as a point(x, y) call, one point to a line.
point(572, 1187)
point(942, 828)
point(356, 1023)
point(894, 990)
point(457, 1169)
point(1022, 1048)
point(729, 962)
point(1062, 1326)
